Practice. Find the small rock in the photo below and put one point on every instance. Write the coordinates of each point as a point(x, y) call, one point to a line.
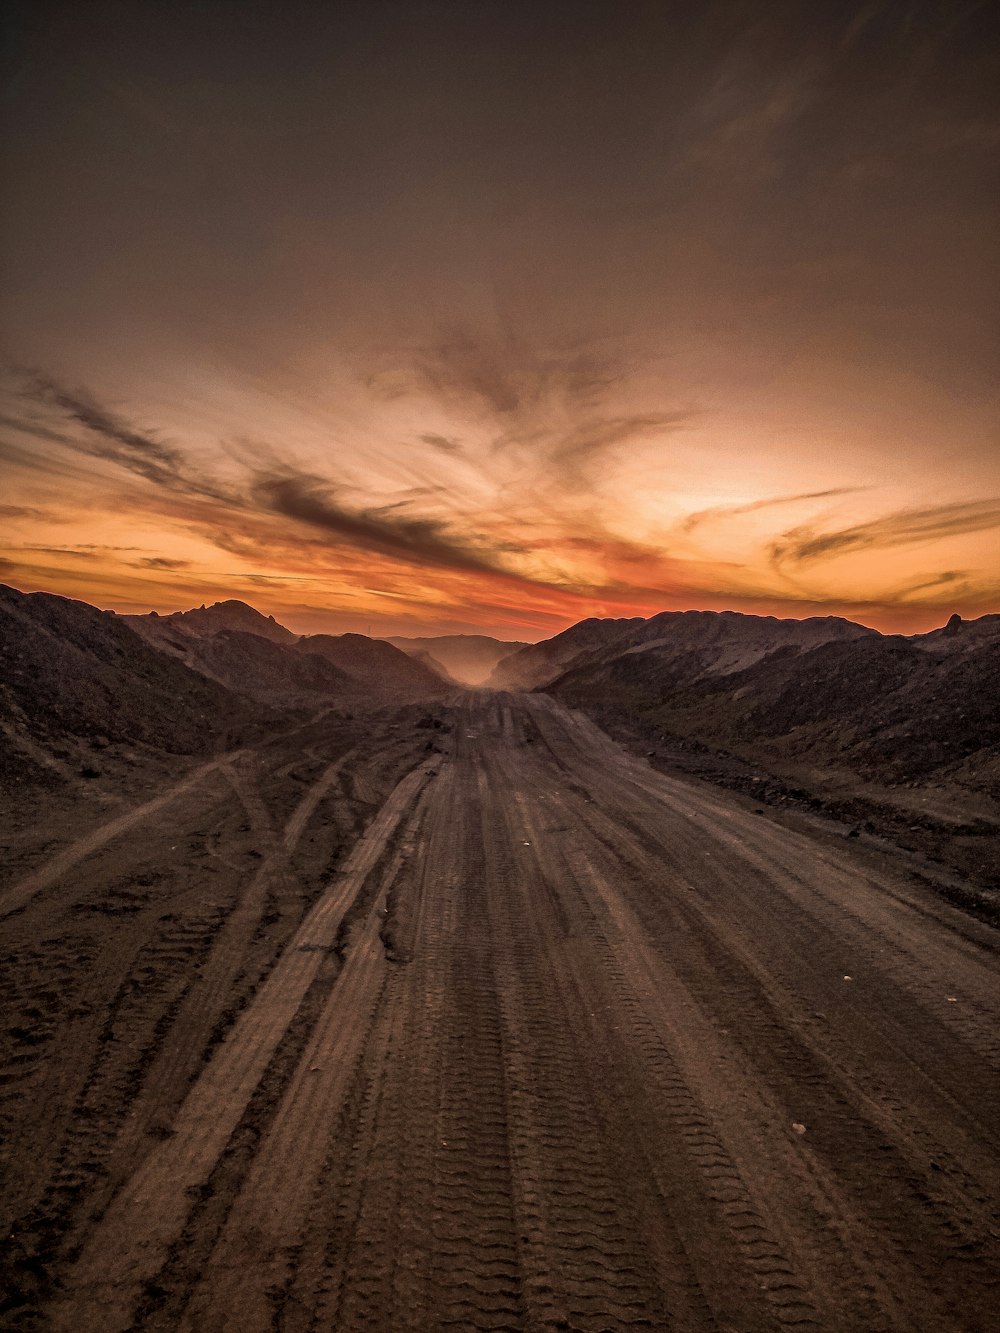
point(799, 1129)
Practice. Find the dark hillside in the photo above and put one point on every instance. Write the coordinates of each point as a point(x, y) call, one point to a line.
point(897, 735)
point(384, 672)
point(207, 620)
point(270, 672)
point(72, 674)
point(539, 663)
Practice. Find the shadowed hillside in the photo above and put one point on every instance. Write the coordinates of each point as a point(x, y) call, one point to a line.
point(206, 620)
point(77, 681)
point(900, 735)
point(538, 663)
point(380, 668)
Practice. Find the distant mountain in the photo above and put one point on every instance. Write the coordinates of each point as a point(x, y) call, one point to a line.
point(206, 620)
point(536, 664)
point(73, 678)
point(382, 669)
point(468, 658)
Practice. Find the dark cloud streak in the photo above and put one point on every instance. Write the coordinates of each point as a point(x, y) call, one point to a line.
point(113, 439)
point(902, 528)
point(310, 500)
point(300, 497)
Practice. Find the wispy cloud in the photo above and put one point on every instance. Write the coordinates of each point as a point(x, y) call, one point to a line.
point(721, 512)
point(593, 436)
point(161, 562)
point(500, 375)
point(271, 487)
point(444, 443)
point(25, 511)
point(109, 436)
point(902, 528)
point(313, 501)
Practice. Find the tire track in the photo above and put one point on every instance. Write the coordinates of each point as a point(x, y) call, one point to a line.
point(551, 1082)
point(950, 1209)
point(189, 1037)
point(131, 1242)
point(14, 898)
point(267, 1216)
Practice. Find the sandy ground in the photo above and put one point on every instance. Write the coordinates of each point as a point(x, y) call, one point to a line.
point(488, 1026)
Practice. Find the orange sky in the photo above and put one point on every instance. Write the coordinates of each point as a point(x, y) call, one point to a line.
point(477, 323)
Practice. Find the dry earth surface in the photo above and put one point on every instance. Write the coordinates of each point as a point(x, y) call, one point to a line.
point(469, 1019)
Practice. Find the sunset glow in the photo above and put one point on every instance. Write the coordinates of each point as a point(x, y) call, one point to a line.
point(468, 334)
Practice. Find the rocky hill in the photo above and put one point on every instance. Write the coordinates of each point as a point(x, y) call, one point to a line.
point(889, 707)
point(469, 658)
point(254, 655)
point(203, 621)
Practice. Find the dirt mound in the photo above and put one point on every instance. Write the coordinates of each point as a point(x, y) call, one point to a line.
point(270, 672)
point(898, 736)
point(384, 671)
point(695, 643)
point(73, 675)
point(539, 663)
point(889, 707)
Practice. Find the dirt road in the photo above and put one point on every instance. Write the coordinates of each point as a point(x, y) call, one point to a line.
point(487, 1025)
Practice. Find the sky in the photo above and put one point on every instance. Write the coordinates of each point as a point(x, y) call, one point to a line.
point(425, 318)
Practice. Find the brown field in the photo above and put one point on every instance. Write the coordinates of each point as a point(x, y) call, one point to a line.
point(486, 1025)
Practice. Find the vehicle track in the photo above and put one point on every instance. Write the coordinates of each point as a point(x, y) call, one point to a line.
point(564, 1044)
point(133, 1236)
point(43, 877)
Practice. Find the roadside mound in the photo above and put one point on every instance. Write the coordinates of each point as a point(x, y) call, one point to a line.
point(538, 664)
point(384, 672)
point(75, 680)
